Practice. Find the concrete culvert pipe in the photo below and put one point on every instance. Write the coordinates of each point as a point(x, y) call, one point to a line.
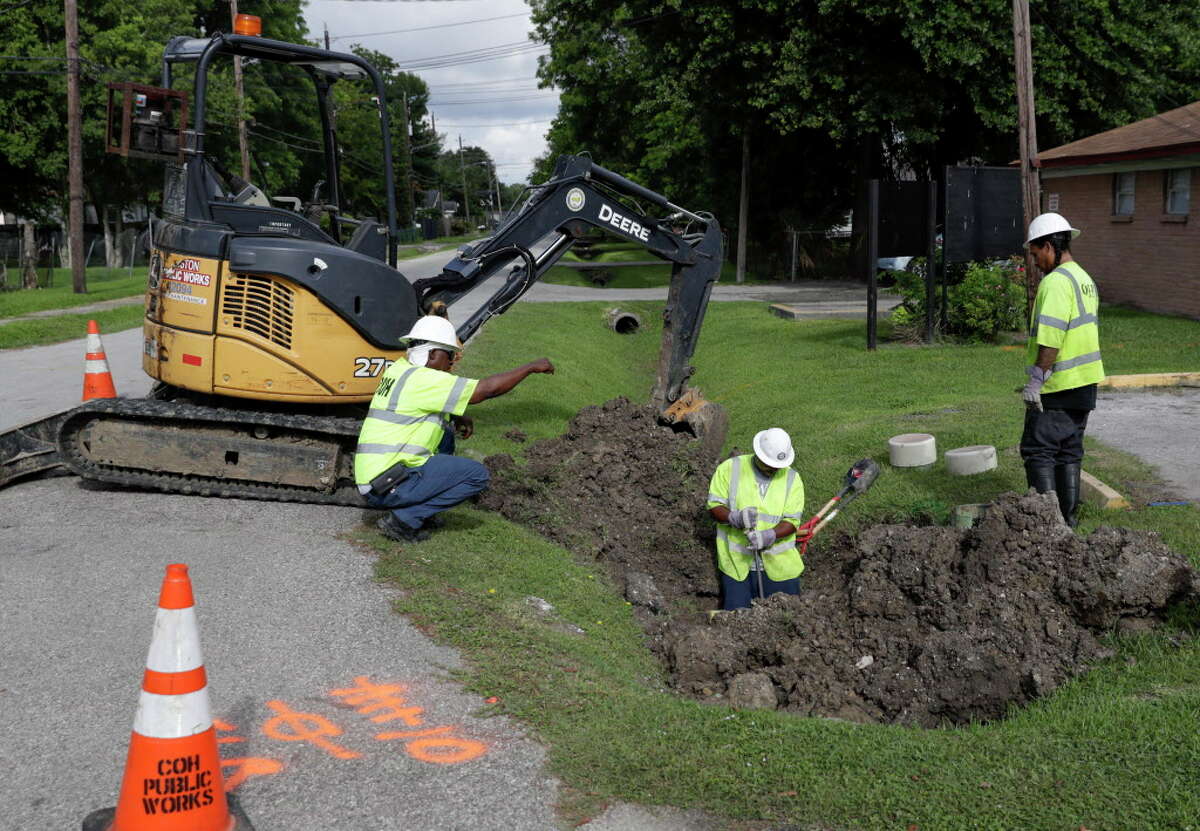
point(965, 461)
point(622, 322)
point(912, 450)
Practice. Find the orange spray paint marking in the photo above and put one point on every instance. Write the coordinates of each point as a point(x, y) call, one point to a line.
point(226, 727)
point(305, 727)
point(367, 697)
point(435, 747)
point(243, 767)
point(247, 766)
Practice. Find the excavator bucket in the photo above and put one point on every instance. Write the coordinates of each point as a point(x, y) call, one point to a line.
point(30, 449)
point(687, 300)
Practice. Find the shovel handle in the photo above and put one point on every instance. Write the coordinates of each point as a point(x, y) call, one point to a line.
point(830, 504)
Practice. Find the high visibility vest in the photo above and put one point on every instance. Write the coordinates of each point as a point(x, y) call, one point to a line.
point(1065, 317)
point(735, 486)
point(408, 415)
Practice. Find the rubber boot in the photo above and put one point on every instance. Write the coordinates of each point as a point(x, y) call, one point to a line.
point(1066, 485)
point(1040, 476)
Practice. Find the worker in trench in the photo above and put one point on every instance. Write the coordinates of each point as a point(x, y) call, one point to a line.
point(1062, 364)
point(405, 458)
point(757, 500)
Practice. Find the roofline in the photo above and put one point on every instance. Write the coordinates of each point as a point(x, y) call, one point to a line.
point(1129, 155)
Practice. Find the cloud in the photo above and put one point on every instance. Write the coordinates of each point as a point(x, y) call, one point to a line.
point(492, 102)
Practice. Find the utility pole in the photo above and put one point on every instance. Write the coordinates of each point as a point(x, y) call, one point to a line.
point(499, 204)
point(743, 207)
point(409, 205)
point(1027, 127)
point(243, 145)
point(466, 196)
point(74, 151)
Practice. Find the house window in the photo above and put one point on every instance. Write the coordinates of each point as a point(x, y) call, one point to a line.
point(1177, 191)
point(1123, 194)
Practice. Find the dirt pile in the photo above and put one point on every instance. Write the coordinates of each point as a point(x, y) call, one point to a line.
point(902, 624)
point(621, 488)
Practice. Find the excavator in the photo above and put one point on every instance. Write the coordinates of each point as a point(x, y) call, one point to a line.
point(268, 320)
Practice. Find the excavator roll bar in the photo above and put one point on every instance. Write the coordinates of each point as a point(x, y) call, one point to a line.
point(581, 195)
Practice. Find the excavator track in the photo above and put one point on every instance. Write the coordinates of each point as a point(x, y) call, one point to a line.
point(178, 447)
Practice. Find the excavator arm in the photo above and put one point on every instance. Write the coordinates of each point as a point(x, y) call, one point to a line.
point(582, 195)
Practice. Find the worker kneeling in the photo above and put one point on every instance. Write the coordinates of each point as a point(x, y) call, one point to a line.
point(757, 500)
point(405, 456)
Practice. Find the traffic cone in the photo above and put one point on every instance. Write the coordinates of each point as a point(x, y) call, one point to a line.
point(173, 770)
point(97, 380)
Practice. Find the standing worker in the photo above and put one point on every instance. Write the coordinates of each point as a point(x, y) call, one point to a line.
point(1063, 365)
point(405, 456)
point(757, 500)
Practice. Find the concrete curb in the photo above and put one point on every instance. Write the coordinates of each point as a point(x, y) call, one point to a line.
point(1153, 379)
point(1099, 494)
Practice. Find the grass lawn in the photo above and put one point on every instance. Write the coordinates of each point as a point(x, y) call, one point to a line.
point(40, 331)
point(628, 277)
point(1115, 749)
point(411, 252)
point(102, 284)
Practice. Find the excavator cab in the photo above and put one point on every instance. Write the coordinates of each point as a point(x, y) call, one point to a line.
point(256, 296)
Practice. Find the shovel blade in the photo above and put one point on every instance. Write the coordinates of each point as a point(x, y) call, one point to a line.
point(862, 475)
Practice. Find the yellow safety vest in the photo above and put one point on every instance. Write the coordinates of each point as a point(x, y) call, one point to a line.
point(735, 486)
point(407, 418)
point(1065, 317)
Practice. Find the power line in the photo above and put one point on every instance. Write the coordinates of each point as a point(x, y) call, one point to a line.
point(13, 6)
point(485, 88)
point(441, 103)
point(481, 83)
point(489, 53)
point(427, 28)
point(506, 124)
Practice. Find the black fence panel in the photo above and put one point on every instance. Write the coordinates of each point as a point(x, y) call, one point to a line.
point(984, 216)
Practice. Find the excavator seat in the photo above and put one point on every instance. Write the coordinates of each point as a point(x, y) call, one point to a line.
point(369, 238)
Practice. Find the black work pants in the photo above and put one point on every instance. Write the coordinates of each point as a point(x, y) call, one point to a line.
point(1053, 437)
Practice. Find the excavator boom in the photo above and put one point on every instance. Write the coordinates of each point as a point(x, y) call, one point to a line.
point(580, 196)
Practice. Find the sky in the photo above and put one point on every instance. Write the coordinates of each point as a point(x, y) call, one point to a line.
point(494, 104)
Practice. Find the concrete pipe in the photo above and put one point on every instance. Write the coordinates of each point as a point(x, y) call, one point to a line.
point(622, 322)
point(964, 461)
point(912, 450)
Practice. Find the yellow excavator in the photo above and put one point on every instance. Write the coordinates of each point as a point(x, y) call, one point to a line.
point(266, 332)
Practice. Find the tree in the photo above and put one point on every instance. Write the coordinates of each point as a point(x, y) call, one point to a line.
point(830, 88)
point(413, 156)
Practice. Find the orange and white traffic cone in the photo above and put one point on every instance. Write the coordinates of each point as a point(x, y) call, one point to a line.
point(173, 770)
point(97, 380)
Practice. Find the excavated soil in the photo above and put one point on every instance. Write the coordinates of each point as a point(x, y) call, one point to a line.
point(910, 625)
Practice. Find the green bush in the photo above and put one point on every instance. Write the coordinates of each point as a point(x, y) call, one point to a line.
point(984, 300)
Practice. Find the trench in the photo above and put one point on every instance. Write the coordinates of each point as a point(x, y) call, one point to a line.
point(898, 624)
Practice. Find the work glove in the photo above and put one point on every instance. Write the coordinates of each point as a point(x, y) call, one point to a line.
point(744, 518)
point(1032, 393)
point(761, 539)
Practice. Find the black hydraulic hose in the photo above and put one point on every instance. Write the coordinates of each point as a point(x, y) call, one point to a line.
point(508, 294)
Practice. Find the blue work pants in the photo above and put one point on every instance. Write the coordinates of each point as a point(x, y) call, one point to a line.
point(737, 594)
point(442, 482)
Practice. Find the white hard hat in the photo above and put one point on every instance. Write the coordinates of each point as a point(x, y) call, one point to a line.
point(1044, 225)
point(773, 447)
point(435, 329)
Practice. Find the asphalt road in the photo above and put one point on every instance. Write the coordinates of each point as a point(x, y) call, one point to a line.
point(1158, 426)
point(289, 616)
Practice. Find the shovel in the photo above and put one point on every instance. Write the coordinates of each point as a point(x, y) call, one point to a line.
point(858, 479)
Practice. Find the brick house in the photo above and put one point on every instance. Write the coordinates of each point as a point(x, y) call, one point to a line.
point(1129, 191)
